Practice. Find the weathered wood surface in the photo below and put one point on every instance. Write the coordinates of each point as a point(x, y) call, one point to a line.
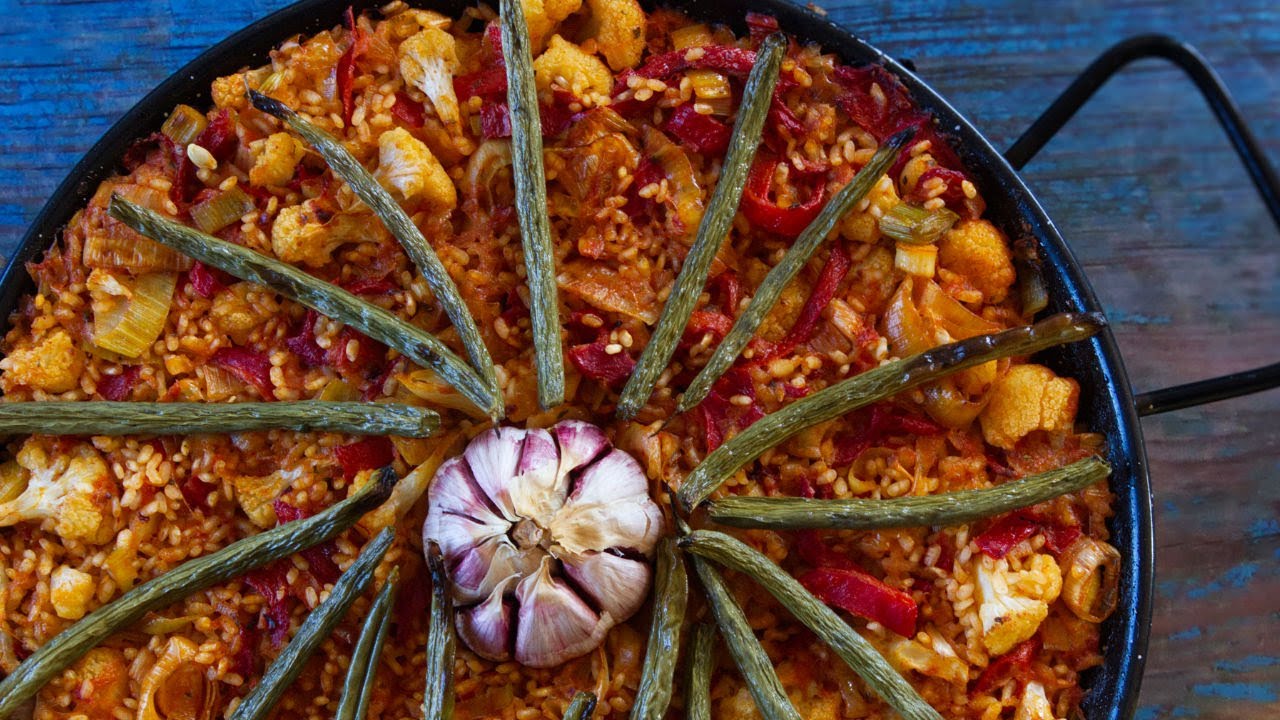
point(1141, 183)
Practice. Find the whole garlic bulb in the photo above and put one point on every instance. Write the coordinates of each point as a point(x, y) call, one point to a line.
point(548, 537)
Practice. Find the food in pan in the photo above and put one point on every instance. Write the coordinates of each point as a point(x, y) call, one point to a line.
point(564, 360)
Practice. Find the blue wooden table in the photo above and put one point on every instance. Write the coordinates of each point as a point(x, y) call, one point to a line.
point(1141, 183)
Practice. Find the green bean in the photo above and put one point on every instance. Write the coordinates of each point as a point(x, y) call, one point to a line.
point(581, 706)
point(670, 597)
point(315, 629)
point(231, 561)
point(875, 385)
point(416, 344)
point(181, 418)
point(531, 205)
point(401, 226)
point(756, 98)
point(954, 508)
point(358, 686)
point(437, 702)
point(755, 666)
point(854, 649)
point(702, 665)
point(785, 271)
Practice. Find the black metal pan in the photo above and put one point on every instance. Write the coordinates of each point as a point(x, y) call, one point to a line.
point(1107, 404)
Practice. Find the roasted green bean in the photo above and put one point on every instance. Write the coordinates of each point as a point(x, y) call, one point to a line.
point(581, 706)
point(181, 418)
point(231, 561)
point(402, 227)
point(756, 98)
point(860, 655)
point(755, 666)
point(358, 686)
point(438, 699)
point(417, 344)
point(702, 665)
point(791, 263)
point(314, 630)
point(874, 385)
point(670, 597)
point(954, 508)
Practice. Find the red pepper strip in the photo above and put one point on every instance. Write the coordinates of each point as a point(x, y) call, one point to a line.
point(303, 344)
point(997, 540)
point(865, 596)
point(1002, 668)
point(780, 116)
point(788, 222)
point(881, 116)
point(319, 557)
point(815, 552)
point(370, 286)
point(117, 387)
point(718, 412)
point(761, 26)
point(195, 491)
point(368, 362)
point(721, 58)
point(271, 582)
point(702, 322)
point(347, 65)
point(253, 368)
point(244, 657)
point(726, 288)
point(208, 281)
point(833, 273)
point(495, 120)
point(408, 112)
point(514, 309)
point(367, 454)
point(592, 361)
point(219, 136)
point(953, 196)
point(1060, 537)
point(412, 601)
point(701, 133)
point(647, 172)
point(875, 424)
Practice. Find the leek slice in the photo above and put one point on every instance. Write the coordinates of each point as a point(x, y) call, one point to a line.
point(131, 325)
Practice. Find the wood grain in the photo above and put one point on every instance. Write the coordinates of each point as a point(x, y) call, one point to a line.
point(1141, 183)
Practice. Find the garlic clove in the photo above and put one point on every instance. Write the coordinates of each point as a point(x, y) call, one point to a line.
point(493, 456)
point(579, 442)
point(486, 628)
point(624, 524)
point(454, 492)
point(536, 490)
point(554, 624)
point(480, 570)
point(615, 476)
point(618, 585)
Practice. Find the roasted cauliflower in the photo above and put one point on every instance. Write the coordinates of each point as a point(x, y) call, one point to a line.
point(619, 31)
point(1013, 604)
point(565, 62)
point(407, 164)
point(70, 591)
point(428, 61)
point(864, 225)
point(1034, 704)
point(1026, 399)
point(68, 487)
point(275, 159)
point(53, 364)
point(979, 252)
point(309, 234)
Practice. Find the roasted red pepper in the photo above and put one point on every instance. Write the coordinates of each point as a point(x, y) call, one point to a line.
point(647, 173)
point(997, 540)
point(250, 366)
point(208, 281)
point(367, 454)
point(347, 65)
point(763, 212)
point(219, 137)
point(719, 413)
point(489, 83)
point(244, 657)
point(872, 425)
point(1004, 667)
point(704, 322)
point(408, 112)
point(861, 594)
point(117, 387)
point(195, 491)
point(370, 286)
point(271, 582)
point(726, 290)
point(833, 273)
point(721, 58)
point(495, 119)
point(593, 361)
point(319, 557)
point(701, 133)
point(953, 196)
point(303, 343)
point(369, 358)
point(811, 548)
point(761, 26)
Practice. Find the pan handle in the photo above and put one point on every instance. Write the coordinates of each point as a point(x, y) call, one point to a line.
point(1255, 162)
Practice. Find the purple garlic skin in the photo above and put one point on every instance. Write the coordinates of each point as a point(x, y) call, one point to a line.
point(548, 536)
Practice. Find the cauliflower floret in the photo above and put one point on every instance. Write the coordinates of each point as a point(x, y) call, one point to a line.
point(428, 61)
point(935, 657)
point(63, 487)
point(978, 251)
point(1034, 704)
point(581, 71)
point(53, 364)
point(228, 92)
point(275, 159)
point(235, 315)
point(619, 31)
point(1029, 398)
point(864, 225)
point(1013, 604)
point(70, 591)
point(257, 495)
point(309, 234)
point(407, 164)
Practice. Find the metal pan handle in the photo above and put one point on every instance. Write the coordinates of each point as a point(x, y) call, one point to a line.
point(1255, 162)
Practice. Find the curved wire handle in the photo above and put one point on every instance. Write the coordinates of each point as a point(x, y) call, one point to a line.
point(1246, 146)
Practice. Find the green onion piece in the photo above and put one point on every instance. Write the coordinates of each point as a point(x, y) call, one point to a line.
point(192, 576)
point(416, 344)
point(875, 385)
point(96, 417)
point(854, 649)
point(437, 702)
point(716, 221)
point(358, 686)
point(184, 125)
point(915, 225)
point(785, 271)
point(670, 597)
point(702, 665)
point(955, 508)
point(531, 205)
point(401, 226)
point(221, 210)
point(315, 629)
point(754, 664)
point(581, 706)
